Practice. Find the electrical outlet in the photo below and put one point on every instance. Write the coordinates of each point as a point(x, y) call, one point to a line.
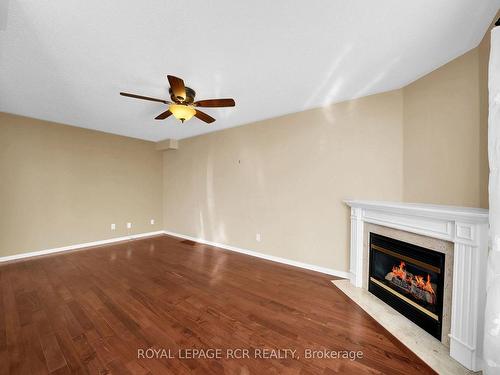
point(152, 221)
point(258, 237)
point(129, 225)
point(113, 226)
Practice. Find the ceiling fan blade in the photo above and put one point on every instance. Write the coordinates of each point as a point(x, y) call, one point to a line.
point(215, 103)
point(204, 117)
point(163, 115)
point(143, 97)
point(177, 86)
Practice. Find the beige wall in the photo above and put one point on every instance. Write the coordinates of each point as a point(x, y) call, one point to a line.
point(286, 178)
point(442, 159)
point(446, 132)
point(61, 185)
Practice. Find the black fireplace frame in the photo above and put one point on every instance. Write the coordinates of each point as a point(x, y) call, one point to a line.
point(431, 325)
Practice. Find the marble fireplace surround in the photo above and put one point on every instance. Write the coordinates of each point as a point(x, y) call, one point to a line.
point(459, 232)
point(435, 244)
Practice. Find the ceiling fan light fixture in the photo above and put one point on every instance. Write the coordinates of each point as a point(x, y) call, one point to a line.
point(184, 109)
point(182, 112)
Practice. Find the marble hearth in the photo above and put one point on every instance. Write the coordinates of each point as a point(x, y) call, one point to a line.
point(458, 232)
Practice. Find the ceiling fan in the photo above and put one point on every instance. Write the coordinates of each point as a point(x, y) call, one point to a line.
point(183, 106)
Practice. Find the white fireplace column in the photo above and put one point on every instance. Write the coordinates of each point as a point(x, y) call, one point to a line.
point(357, 233)
point(492, 313)
point(467, 229)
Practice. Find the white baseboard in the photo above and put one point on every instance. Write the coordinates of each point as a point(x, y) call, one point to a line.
point(78, 246)
point(311, 267)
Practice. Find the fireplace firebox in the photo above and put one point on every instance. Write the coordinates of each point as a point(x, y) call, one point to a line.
point(409, 278)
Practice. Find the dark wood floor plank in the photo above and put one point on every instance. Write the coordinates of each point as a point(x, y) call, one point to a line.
point(34, 353)
point(90, 311)
point(52, 351)
point(3, 334)
point(15, 349)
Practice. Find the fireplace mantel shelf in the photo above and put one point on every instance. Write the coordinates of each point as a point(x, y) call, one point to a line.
point(467, 229)
point(431, 210)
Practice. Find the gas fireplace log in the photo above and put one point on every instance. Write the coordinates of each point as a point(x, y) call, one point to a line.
point(412, 288)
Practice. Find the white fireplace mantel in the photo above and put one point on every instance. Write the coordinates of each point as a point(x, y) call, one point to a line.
point(467, 229)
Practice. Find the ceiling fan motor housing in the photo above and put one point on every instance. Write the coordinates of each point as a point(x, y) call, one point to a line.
point(190, 94)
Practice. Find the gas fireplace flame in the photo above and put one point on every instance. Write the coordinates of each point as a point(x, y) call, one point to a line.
point(400, 271)
point(417, 280)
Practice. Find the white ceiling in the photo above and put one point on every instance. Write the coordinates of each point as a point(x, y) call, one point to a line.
point(67, 60)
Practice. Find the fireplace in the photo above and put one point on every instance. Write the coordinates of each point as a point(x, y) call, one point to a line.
point(461, 234)
point(409, 278)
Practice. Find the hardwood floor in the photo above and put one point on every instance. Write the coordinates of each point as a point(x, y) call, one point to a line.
point(92, 311)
